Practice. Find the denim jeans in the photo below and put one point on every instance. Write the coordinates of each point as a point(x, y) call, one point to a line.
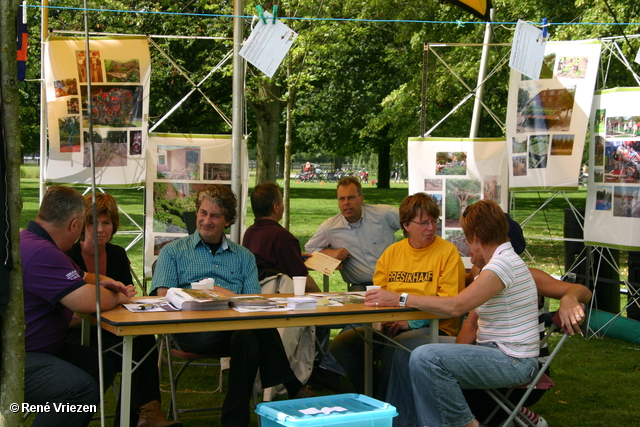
point(71, 377)
point(348, 348)
point(437, 374)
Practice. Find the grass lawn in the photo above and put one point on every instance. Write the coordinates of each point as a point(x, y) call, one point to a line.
point(596, 379)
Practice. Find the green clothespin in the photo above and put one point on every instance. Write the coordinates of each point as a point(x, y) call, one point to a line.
point(261, 13)
point(275, 13)
point(459, 22)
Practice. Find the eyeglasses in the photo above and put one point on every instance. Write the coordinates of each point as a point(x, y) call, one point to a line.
point(434, 222)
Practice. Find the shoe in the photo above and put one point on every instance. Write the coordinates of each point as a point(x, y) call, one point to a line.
point(542, 422)
point(304, 392)
point(151, 416)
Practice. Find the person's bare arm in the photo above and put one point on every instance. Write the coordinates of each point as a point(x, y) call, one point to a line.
point(480, 291)
point(572, 296)
point(469, 330)
point(108, 283)
point(83, 299)
point(311, 285)
point(340, 253)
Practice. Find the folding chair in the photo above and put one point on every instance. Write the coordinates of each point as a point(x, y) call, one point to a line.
point(169, 352)
point(540, 381)
point(190, 359)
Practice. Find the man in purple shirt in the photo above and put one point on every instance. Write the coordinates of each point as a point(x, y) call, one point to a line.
point(275, 248)
point(58, 373)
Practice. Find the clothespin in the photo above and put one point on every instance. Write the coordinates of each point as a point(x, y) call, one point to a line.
point(459, 22)
point(261, 13)
point(275, 13)
point(545, 33)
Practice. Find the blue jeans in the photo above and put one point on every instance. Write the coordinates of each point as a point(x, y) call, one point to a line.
point(348, 348)
point(438, 373)
point(71, 377)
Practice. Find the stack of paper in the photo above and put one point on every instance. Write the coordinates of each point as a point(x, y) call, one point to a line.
point(302, 303)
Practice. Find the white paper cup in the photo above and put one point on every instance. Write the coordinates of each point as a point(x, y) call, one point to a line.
point(372, 287)
point(299, 284)
point(199, 286)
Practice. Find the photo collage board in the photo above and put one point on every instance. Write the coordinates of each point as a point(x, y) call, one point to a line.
point(612, 214)
point(119, 75)
point(178, 166)
point(457, 172)
point(547, 119)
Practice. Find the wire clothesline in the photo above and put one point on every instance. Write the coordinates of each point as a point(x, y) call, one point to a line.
point(329, 19)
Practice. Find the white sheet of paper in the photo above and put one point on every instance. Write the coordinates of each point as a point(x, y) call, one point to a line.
point(268, 44)
point(527, 50)
point(637, 57)
point(322, 263)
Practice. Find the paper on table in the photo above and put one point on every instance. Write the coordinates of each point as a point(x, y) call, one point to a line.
point(268, 44)
point(322, 263)
point(149, 305)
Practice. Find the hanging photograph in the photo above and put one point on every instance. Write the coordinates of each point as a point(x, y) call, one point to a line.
point(538, 151)
point(116, 106)
point(448, 163)
point(122, 71)
point(178, 166)
point(117, 109)
point(69, 131)
point(65, 87)
point(135, 143)
point(95, 66)
point(562, 145)
point(178, 162)
point(622, 161)
point(612, 214)
point(553, 113)
point(604, 197)
point(479, 167)
point(217, 171)
point(108, 151)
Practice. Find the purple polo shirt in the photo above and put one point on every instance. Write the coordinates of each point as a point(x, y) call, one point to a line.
point(48, 275)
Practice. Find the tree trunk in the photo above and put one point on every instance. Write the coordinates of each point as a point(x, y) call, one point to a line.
point(267, 111)
point(384, 166)
point(286, 164)
point(12, 322)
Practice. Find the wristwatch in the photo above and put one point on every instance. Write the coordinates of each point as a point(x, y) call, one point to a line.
point(403, 300)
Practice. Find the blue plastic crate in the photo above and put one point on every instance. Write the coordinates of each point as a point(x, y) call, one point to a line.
point(361, 411)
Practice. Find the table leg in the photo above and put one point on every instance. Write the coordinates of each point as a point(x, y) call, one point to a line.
point(325, 283)
point(368, 360)
point(125, 381)
point(434, 324)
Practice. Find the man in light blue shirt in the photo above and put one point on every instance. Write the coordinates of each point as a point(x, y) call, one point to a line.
point(358, 235)
point(208, 253)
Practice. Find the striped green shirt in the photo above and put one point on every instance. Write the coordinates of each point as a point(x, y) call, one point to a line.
point(189, 260)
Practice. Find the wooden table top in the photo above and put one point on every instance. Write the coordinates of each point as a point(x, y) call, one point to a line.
point(121, 321)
